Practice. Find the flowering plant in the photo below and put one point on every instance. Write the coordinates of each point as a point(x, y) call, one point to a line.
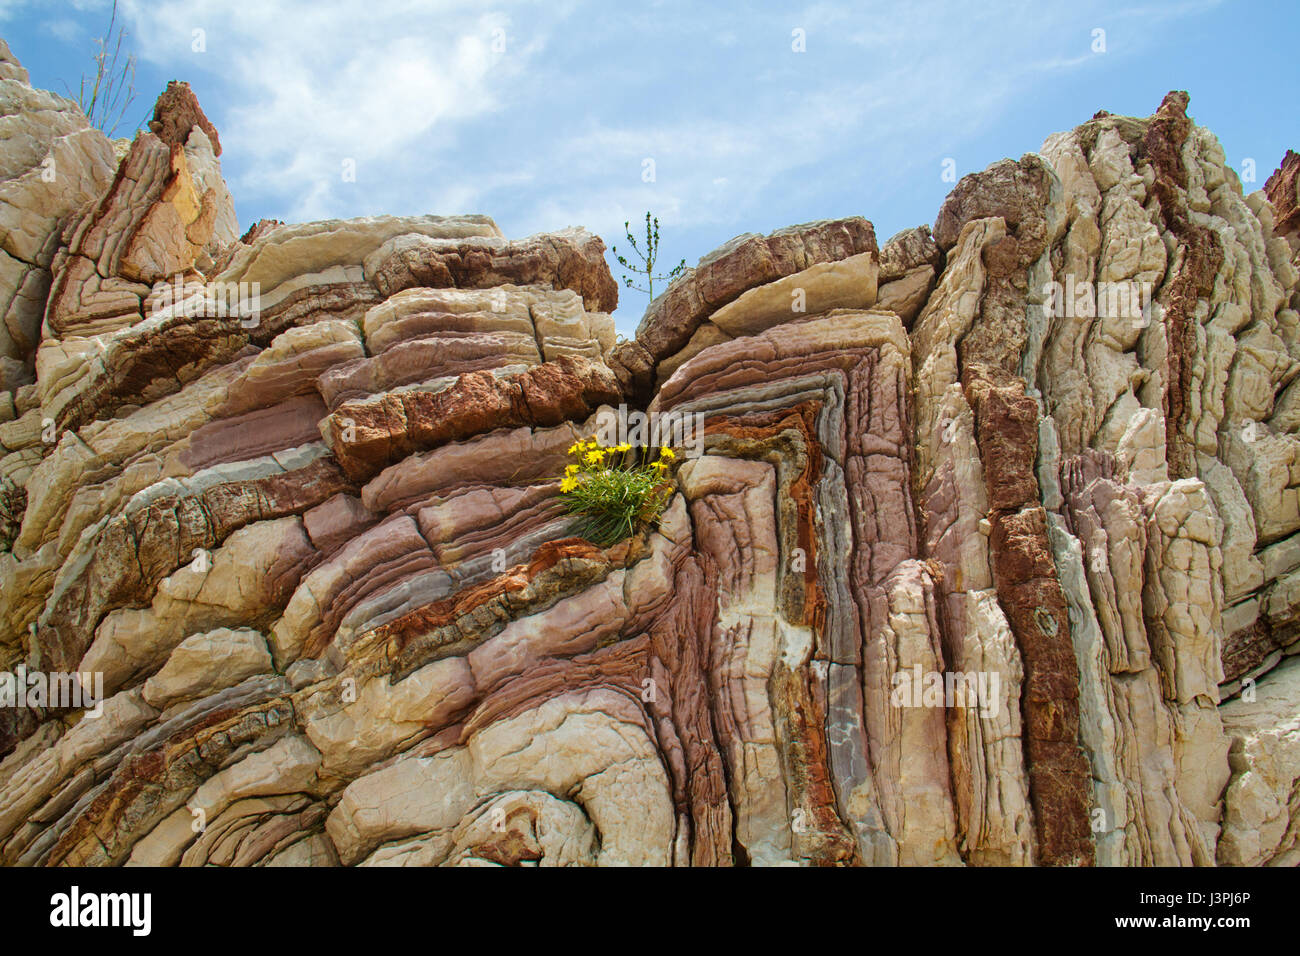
point(613, 491)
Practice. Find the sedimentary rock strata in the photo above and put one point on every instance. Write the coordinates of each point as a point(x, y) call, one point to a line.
point(974, 561)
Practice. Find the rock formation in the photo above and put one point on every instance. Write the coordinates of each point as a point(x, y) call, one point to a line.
point(978, 563)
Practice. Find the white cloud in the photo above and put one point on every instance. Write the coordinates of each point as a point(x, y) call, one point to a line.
point(66, 30)
point(308, 85)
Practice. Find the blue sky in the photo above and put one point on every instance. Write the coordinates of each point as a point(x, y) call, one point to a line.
point(542, 115)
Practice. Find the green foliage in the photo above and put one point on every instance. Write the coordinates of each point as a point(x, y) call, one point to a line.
point(108, 94)
point(647, 257)
point(612, 492)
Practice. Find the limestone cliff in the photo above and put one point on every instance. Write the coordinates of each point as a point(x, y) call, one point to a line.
point(293, 497)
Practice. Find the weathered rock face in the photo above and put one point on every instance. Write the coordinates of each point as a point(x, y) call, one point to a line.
point(969, 564)
point(52, 164)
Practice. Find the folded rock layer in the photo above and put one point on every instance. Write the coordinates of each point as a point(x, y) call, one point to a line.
point(986, 550)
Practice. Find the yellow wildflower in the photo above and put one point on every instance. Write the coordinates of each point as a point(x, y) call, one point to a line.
point(666, 452)
point(662, 466)
point(624, 447)
point(568, 484)
point(571, 470)
point(575, 448)
point(595, 457)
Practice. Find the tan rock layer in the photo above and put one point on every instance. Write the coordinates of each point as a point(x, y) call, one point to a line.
point(788, 437)
point(149, 785)
point(367, 436)
point(721, 277)
point(135, 551)
point(561, 260)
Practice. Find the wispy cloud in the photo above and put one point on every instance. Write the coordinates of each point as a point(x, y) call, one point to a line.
point(66, 30)
point(320, 97)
